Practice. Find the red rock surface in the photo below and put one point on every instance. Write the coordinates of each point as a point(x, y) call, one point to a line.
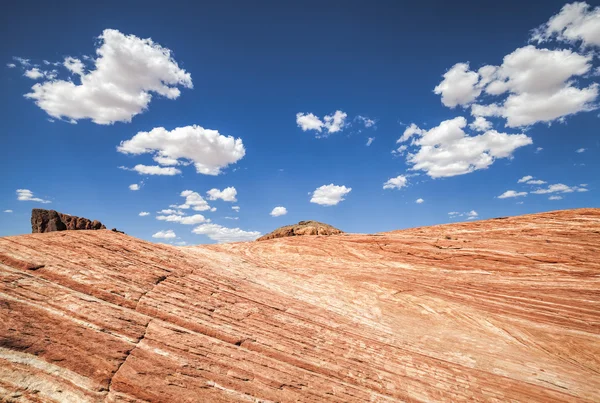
point(303, 228)
point(497, 310)
point(50, 220)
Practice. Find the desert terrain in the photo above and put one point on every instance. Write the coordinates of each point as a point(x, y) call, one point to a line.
point(499, 310)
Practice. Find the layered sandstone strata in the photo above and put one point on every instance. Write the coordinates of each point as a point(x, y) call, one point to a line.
point(497, 310)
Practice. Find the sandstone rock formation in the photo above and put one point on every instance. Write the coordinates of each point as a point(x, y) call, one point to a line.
point(302, 228)
point(496, 310)
point(50, 221)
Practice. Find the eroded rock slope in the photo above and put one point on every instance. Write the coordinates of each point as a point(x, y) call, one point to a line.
point(303, 228)
point(496, 310)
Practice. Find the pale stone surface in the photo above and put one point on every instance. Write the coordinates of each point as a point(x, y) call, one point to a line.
point(495, 310)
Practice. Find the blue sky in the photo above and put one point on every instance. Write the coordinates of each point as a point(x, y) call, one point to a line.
point(278, 100)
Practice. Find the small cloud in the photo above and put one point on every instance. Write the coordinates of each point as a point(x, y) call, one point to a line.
point(555, 198)
point(398, 182)
point(560, 188)
point(419, 201)
point(332, 123)
point(34, 73)
point(236, 208)
point(134, 186)
point(278, 211)
point(27, 195)
point(370, 141)
point(186, 220)
point(365, 121)
point(11, 65)
point(228, 194)
point(525, 179)
point(580, 150)
point(152, 170)
point(144, 214)
point(329, 195)
point(194, 201)
point(8, 211)
point(511, 193)
point(537, 150)
point(232, 218)
point(168, 234)
point(471, 215)
point(220, 233)
point(22, 61)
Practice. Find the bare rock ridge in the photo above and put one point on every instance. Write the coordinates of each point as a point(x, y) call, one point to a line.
point(50, 220)
point(302, 228)
point(494, 310)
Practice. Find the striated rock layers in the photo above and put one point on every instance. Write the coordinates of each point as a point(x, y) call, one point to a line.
point(497, 310)
point(302, 228)
point(50, 221)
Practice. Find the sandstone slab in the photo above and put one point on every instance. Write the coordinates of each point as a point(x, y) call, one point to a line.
point(495, 310)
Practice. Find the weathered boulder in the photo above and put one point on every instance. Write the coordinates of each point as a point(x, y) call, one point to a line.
point(50, 220)
point(302, 228)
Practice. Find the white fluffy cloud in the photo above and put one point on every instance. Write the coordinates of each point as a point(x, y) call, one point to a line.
point(309, 121)
point(528, 179)
point(446, 150)
point(236, 208)
point(580, 150)
point(34, 73)
point(228, 194)
point(575, 22)
point(126, 72)
point(8, 211)
point(208, 150)
point(11, 65)
point(459, 86)
point(27, 195)
point(480, 124)
point(540, 86)
point(370, 141)
point(219, 233)
point(74, 65)
point(398, 182)
point(555, 198)
point(532, 84)
point(153, 170)
point(187, 220)
point(134, 186)
point(419, 201)
point(525, 179)
point(332, 123)
point(329, 195)
point(194, 201)
point(278, 211)
point(560, 188)
point(144, 214)
point(168, 234)
point(511, 193)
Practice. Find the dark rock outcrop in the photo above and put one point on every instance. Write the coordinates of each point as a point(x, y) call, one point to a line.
point(302, 228)
point(51, 220)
